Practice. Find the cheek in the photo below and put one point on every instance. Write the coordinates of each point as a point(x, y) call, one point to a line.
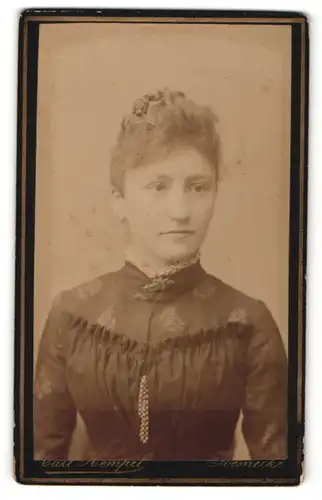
point(203, 210)
point(141, 213)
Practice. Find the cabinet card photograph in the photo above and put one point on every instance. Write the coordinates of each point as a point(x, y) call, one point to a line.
point(161, 235)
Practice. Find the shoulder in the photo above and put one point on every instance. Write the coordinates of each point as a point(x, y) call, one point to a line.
point(251, 321)
point(235, 305)
point(252, 317)
point(83, 299)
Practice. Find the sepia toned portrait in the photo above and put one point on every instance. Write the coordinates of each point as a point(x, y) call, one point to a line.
point(162, 242)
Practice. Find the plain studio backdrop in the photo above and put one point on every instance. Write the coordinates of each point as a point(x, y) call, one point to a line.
point(89, 75)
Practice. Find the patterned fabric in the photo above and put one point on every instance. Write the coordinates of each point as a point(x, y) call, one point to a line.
point(107, 318)
point(171, 321)
point(43, 385)
point(160, 371)
point(238, 316)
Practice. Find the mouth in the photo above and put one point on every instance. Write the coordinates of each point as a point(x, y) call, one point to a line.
point(179, 232)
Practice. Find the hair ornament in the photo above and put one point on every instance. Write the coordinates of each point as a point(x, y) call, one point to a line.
point(144, 104)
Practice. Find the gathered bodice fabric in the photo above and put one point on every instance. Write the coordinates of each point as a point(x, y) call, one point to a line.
point(205, 350)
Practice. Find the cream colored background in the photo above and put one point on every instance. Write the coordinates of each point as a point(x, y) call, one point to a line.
point(89, 75)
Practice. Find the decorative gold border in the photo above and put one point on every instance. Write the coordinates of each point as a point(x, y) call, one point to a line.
point(301, 305)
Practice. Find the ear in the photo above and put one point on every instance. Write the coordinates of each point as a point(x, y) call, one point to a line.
point(118, 205)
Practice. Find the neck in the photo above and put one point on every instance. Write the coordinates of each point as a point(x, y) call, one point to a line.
point(156, 267)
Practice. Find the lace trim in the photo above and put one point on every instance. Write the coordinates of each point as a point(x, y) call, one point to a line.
point(170, 269)
point(177, 266)
point(161, 281)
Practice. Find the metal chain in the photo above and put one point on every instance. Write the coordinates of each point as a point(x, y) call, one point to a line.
point(143, 410)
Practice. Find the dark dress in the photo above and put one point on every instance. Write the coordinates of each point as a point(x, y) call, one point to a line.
point(205, 350)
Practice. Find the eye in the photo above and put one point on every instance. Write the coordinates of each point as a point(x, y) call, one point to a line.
point(157, 186)
point(199, 187)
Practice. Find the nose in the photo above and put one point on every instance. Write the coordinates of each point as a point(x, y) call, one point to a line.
point(178, 208)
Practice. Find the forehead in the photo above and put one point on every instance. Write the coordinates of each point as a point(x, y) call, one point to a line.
point(179, 164)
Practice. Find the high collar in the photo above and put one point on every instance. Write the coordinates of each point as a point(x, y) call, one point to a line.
point(163, 287)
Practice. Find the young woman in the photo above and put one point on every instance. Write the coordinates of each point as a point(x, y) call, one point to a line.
point(159, 358)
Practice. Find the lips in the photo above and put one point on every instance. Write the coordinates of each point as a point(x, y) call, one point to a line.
point(178, 232)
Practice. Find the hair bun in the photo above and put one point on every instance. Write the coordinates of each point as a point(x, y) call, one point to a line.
point(166, 96)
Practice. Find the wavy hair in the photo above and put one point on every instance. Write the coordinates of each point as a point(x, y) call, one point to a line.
point(159, 123)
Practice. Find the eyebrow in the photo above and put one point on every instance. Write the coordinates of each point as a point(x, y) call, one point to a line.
point(196, 177)
point(162, 177)
point(199, 177)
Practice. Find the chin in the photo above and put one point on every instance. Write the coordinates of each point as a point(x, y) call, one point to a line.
point(177, 254)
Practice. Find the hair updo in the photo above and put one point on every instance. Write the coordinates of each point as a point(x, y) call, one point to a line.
point(158, 124)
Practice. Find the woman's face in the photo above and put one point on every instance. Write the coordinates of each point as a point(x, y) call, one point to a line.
point(168, 205)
